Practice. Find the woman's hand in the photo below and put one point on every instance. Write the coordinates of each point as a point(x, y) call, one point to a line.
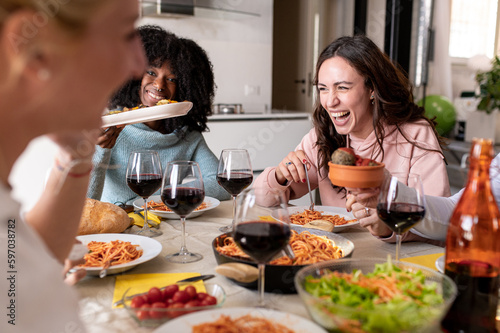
point(74, 259)
point(367, 215)
point(291, 168)
point(363, 205)
point(109, 135)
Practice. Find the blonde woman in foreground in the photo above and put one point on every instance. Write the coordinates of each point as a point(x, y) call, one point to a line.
point(60, 63)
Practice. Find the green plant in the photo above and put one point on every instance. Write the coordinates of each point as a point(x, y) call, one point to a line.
point(489, 88)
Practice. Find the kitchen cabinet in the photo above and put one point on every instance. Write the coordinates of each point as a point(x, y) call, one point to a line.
point(267, 137)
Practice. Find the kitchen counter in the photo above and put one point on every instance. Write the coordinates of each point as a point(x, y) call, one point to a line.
point(260, 116)
point(268, 137)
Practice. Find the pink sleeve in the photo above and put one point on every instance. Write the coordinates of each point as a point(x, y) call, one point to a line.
point(430, 165)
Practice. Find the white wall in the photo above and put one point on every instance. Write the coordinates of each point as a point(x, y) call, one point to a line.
point(239, 46)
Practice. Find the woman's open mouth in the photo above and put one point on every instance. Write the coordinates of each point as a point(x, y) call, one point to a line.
point(340, 115)
point(154, 96)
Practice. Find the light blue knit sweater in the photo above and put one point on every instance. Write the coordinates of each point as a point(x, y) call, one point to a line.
point(107, 182)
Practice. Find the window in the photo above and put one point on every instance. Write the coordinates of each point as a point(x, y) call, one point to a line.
point(473, 28)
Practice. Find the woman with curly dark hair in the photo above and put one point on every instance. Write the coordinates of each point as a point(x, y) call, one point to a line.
point(364, 102)
point(179, 69)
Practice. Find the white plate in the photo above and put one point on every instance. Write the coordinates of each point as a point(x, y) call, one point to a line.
point(147, 114)
point(293, 322)
point(440, 264)
point(150, 247)
point(211, 204)
point(325, 210)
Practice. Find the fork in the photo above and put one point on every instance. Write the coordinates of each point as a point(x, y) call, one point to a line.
point(311, 207)
point(104, 270)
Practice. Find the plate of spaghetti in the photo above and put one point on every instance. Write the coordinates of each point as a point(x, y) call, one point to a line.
point(122, 251)
point(301, 215)
point(309, 246)
point(248, 320)
point(157, 207)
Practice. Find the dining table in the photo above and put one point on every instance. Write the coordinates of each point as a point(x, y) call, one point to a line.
point(96, 294)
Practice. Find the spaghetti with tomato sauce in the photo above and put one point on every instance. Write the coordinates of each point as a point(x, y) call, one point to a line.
point(308, 249)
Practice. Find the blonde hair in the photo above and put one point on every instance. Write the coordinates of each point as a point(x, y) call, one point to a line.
point(71, 16)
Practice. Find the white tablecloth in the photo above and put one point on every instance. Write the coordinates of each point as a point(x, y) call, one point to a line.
point(96, 294)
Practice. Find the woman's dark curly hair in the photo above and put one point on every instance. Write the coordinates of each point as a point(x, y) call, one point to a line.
point(192, 68)
point(392, 90)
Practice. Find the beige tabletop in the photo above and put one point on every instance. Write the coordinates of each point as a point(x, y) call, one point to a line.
point(96, 294)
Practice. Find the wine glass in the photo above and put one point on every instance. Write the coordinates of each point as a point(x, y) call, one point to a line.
point(258, 236)
point(234, 175)
point(182, 192)
point(144, 178)
point(401, 207)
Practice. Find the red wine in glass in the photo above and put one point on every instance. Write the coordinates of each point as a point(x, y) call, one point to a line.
point(183, 200)
point(262, 240)
point(183, 191)
point(258, 238)
point(234, 174)
point(401, 204)
point(144, 185)
point(144, 177)
point(235, 182)
point(400, 217)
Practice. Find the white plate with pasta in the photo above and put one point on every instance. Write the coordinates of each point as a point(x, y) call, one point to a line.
point(150, 249)
point(146, 114)
point(259, 316)
point(301, 215)
point(155, 200)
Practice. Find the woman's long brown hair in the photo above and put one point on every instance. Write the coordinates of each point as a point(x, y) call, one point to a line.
point(393, 103)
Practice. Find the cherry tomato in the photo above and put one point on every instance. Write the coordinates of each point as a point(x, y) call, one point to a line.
point(137, 302)
point(156, 310)
point(209, 300)
point(155, 295)
point(174, 314)
point(201, 296)
point(191, 291)
point(146, 299)
point(143, 313)
point(181, 296)
point(192, 303)
point(169, 291)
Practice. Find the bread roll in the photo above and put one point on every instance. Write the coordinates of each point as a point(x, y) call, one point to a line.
point(102, 217)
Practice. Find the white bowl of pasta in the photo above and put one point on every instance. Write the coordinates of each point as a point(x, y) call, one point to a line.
point(375, 295)
point(138, 249)
point(157, 207)
point(339, 217)
point(279, 273)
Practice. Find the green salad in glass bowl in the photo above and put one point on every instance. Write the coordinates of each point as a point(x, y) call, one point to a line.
point(374, 295)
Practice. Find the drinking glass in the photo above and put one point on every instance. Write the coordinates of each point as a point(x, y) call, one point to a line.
point(182, 192)
point(401, 207)
point(256, 235)
point(144, 178)
point(234, 175)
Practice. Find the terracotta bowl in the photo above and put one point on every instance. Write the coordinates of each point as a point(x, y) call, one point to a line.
point(356, 176)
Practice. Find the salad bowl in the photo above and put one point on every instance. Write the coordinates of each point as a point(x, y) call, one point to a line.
point(375, 295)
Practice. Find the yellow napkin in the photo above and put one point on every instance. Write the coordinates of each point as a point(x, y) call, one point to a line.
point(139, 219)
point(266, 218)
point(141, 283)
point(428, 260)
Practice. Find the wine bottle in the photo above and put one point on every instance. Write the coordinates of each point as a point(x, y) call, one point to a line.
point(473, 249)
